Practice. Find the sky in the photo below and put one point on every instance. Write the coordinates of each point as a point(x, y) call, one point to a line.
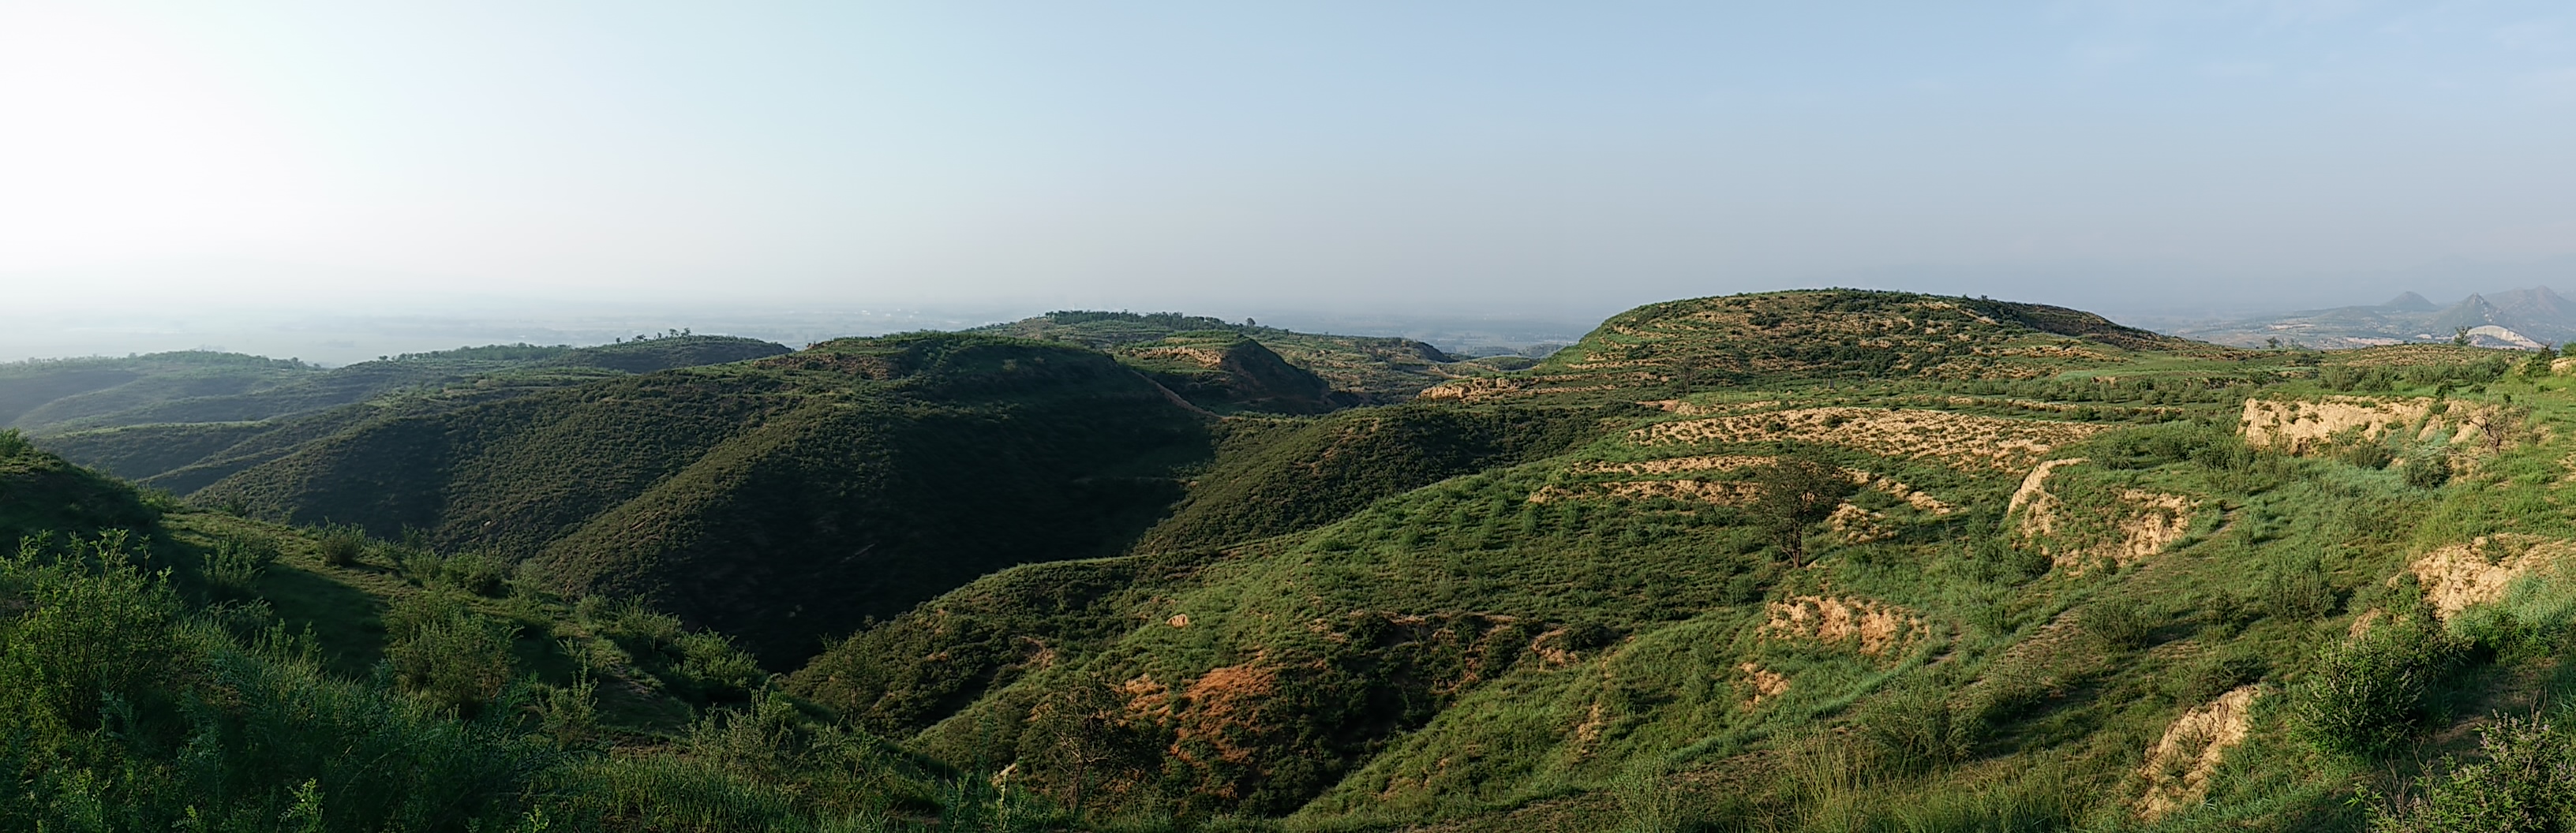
point(1561, 160)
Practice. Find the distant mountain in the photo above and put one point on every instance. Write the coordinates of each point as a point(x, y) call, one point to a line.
point(2519, 319)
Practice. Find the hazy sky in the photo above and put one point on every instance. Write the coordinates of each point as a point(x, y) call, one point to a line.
point(1237, 158)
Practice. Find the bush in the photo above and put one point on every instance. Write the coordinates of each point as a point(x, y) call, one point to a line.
point(2368, 694)
point(2526, 783)
point(448, 655)
point(342, 544)
point(476, 573)
point(2119, 623)
point(2215, 675)
point(2428, 471)
point(235, 566)
point(2300, 594)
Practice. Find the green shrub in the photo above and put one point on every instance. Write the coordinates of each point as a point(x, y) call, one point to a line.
point(474, 572)
point(2119, 623)
point(2525, 782)
point(342, 544)
point(2214, 675)
point(2368, 694)
point(448, 655)
point(235, 566)
point(2428, 471)
point(2299, 594)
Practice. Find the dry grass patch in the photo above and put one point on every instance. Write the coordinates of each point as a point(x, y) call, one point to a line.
point(1964, 441)
point(1761, 684)
point(1872, 627)
point(2141, 523)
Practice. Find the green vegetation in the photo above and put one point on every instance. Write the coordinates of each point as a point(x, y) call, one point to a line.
point(1804, 561)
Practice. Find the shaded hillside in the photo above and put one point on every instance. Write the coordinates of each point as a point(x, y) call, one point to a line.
point(194, 671)
point(1362, 369)
point(39, 393)
point(2083, 578)
point(781, 500)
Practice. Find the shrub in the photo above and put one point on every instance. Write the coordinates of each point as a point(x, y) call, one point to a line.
point(342, 544)
point(2368, 694)
point(2527, 782)
point(2215, 675)
point(2428, 471)
point(476, 573)
point(235, 566)
point(445, 653)
point(2119, 623)
point(2300, 593)
point(1794, 493)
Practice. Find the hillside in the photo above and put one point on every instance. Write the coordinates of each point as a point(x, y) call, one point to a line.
point(2084, 576)
point(779, 500)
point(167, 669)
point(1814, 561)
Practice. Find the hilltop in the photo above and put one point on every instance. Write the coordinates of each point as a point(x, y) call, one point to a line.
point(1357, 369)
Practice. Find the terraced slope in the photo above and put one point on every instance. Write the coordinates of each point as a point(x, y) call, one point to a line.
point(2078, 582)
point(779, 500)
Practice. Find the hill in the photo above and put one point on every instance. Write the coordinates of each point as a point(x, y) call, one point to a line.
point(1814, 560)
point(153, 415)
point(2084, 576)
point(1358, 369)
point(779, 500)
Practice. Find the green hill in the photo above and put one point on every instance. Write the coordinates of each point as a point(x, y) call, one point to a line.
point(1807, 561)
point(154, 415)
point(2080, 582)
point(779, 500)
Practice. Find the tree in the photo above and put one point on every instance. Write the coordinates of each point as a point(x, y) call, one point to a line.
point(1794, 492)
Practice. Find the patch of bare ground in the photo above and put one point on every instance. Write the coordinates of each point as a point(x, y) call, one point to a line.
point(1676, 406)
point(1859, 526)
point(1871, 627)
point(2144, 523)
point(1761, 684)
point(1965, 441)
point(2460, 575)
point(2302, 426)
point(2177, 770)
point(1716, 492)
point(1207, 357)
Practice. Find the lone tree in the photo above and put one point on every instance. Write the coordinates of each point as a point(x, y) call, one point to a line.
point(1794, 492)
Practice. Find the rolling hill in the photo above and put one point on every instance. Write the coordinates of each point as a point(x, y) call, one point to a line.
point(1811, 560)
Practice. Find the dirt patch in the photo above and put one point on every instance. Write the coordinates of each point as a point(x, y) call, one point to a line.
point(1704, 491)
point(1207, 357)
point(2142, 523)
point(1705, 462)
point(1224, 708)
point(2178, 768)
point(1761, 684)
point(2034, 484)
point(2298, 427)
point(2460, 575)
point(1676, 406)
point(1959, 440)
point(1872, 627)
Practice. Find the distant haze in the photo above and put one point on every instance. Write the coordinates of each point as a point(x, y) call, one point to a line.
point(252, 175)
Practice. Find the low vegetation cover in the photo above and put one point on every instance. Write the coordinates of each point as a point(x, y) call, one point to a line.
point(1829, 560)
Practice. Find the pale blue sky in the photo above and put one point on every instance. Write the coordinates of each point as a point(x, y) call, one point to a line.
point(1239, 158)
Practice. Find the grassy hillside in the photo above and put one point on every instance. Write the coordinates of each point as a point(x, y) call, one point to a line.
point(2084, 577)
point(191, 671)
point(782, 500)
point(1828, 560)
